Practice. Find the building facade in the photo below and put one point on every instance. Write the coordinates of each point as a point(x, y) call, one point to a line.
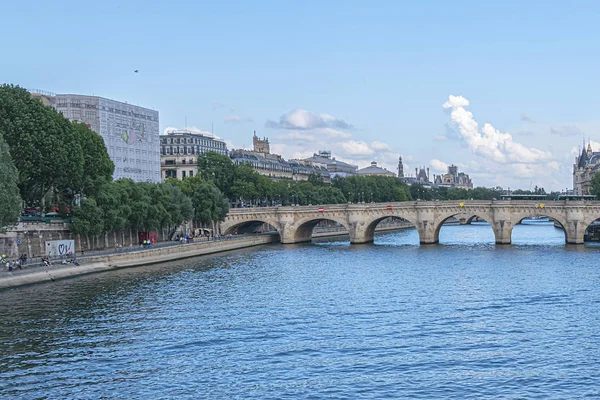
point(130, 132)
point(334, 167)
point(587, 164)
point(262, 161)
point(374, 170)
point(453, 179)
point(179, 151)
point(276, 167)
point(421, 177)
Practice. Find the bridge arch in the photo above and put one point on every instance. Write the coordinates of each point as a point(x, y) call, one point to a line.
point(586, 224)
point(302, 229)
point(246, 225)
point(369, 230)
point(444, 216)
point(518, 217)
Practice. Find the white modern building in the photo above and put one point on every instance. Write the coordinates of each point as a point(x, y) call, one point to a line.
point(130, 133)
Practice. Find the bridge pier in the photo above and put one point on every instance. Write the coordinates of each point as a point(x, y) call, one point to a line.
point(502, 231)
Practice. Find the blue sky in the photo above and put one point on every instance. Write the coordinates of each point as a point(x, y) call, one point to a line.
point(366, 81)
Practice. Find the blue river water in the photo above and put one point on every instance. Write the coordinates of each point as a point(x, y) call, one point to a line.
point(464, 319)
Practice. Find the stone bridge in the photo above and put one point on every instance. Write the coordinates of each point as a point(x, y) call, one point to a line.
point(295, 224)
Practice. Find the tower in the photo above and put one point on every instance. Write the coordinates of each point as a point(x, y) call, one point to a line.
point(261, 145)
point(400, 168)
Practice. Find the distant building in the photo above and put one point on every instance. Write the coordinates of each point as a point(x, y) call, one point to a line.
point(587, 164)
point(276, 167)
point(400, 168)
point(421, 177)
point(262, 161)
point(179, 151)
point(130, 132)
point(453, 179)
point(261, 145)
point(302, 170)
point(335, 167)
point(374, 170)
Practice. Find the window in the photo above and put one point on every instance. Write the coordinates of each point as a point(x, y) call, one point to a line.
point(191, 173)
point(183, 174)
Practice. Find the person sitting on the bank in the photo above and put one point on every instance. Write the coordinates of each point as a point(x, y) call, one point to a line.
point(47, 261)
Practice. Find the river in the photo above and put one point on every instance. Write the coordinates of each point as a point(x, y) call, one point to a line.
point(464, 319)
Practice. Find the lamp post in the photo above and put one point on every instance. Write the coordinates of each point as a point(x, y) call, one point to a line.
point(363, 196)
point(371, 197)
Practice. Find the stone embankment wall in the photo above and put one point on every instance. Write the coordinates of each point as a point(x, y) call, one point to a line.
point(38, 274)
point(30, 238)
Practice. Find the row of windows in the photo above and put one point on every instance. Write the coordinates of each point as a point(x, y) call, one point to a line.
point(202, 142)
point(189, 150)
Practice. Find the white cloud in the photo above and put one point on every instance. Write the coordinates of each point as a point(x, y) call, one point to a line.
point(304, 133)
point(455, 102)
point(236, 119)
point(353, 148)
point(439, 166)
point(302, 119)
point(380, 146)
point(565, 130)
point(489, 142)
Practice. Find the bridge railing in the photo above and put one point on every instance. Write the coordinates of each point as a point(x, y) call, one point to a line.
point(410, 204)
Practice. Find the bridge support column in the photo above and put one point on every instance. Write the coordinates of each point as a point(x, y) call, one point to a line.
point(427, 233)
point(502, 231)
point(574, 232)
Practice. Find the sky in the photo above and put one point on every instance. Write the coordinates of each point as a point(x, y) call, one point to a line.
point(506, 90)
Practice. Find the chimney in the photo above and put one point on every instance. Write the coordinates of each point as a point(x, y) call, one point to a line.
point(416, 173)
point(427, 173)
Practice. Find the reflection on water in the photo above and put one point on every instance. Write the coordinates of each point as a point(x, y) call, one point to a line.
point(461, 319)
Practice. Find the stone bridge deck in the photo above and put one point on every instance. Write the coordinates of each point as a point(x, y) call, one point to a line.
point(295, 224)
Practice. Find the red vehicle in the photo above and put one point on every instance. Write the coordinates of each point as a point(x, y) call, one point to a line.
point(147, 236)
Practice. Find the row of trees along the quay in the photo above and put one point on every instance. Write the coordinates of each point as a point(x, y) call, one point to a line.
point(57, 161)
point(125, 204)
point(48, 161)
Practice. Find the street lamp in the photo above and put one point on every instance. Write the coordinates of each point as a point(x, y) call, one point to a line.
point(363, 197)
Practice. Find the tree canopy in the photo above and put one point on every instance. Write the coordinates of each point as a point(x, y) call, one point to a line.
point(43, 145)
point(10, 201)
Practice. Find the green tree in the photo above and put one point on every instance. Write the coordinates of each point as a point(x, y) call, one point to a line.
point(10, 202)
point(219, 169)
point(43, 146)
point(87, 218)
point(420, 192)
point(98, 168)
point(209, 204)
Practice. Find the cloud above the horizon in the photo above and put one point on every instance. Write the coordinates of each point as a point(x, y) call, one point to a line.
point(565, 130)
point(236, 119)
point(300, 119)
point(487, 141)
point(303, 133)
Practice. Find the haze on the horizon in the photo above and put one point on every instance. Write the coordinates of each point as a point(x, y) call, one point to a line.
point(505, 90)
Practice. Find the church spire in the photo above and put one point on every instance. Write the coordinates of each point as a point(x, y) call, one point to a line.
point(400, 168)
